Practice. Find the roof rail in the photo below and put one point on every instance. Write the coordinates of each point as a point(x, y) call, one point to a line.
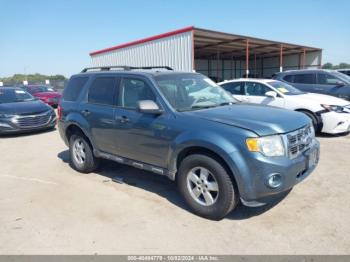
point(126, 68)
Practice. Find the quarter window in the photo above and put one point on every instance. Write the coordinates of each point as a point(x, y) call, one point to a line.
point(102, 91)
point(288, 78)
point(235, 88)
point(74, 87)
point(134, 90)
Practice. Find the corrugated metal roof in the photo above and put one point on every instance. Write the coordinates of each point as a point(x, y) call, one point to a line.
point(209, 41)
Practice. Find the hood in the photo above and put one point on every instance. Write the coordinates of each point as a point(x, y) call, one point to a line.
point(48, 94)
point(24, 108)
point(260, 119)
point(324, 99)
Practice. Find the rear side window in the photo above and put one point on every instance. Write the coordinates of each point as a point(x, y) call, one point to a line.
point(102, 91)
point(235, 88)
point(74, 87)
point(305, 79)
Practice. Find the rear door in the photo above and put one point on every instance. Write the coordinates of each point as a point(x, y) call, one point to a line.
point(255, 92)
point(99, 109)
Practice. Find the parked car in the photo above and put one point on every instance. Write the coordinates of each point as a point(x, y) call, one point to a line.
point(47, 94)
point(328, 114)
point(184, 126)
point(321, 81)
point(21, 112)
point(345, 71)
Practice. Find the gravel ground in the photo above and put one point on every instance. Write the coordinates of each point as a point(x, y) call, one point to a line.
point(46, 207)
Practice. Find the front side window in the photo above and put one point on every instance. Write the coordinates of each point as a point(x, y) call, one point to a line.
point(327, 79)
point(133, 90)
point(235, 88)
point(256, 89)
point(102, 91)
point(305, 78)
point(192, 91)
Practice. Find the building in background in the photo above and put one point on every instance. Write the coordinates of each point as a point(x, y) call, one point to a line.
point(218, 55)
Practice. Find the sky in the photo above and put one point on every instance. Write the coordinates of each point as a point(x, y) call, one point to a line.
point(56, 36)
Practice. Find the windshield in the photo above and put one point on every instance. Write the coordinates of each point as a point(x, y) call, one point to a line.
point(192, 91)
point(39, 89)
point(14, 95)
point(285, 89)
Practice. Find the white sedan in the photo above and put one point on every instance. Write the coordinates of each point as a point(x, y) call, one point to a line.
point(329, 114)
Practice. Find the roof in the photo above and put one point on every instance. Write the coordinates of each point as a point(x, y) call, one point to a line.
point(209, 42)
point(260, 80)
point(136, 72)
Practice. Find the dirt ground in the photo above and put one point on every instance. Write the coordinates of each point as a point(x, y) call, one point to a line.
point(46, 207)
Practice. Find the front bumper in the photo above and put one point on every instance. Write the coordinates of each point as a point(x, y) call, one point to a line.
point(254, 190)
point(12, 126)
point(335, 123)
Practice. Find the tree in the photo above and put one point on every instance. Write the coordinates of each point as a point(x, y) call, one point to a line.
point(327, 66)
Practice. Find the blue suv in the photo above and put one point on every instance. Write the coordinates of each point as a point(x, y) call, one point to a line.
point(328, 82)
point(185, 127)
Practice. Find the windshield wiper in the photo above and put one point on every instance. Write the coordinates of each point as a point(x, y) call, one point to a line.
point(225, 104)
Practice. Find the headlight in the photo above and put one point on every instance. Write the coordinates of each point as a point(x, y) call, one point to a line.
point(268, 145)
point(6, 116)
point(333, 108)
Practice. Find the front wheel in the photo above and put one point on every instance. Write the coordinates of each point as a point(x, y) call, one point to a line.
point(206, 186)
point(313, 119)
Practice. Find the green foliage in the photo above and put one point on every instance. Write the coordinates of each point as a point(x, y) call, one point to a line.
point(331, 66)
point(33, 78)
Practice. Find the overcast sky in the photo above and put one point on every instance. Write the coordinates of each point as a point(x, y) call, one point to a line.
point(55, 37)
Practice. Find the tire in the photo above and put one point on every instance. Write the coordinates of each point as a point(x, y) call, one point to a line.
point(82, 158)
point(313, 119)
point(222, 201)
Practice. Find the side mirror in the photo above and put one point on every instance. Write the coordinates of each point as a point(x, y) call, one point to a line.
point(149, 107)
point(271, 94)
point(339, 84)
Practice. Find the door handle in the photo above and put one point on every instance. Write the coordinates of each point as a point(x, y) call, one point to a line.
point(85, 112)
point(122, 119)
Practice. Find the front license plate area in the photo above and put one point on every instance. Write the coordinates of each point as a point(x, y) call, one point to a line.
point(312, 158)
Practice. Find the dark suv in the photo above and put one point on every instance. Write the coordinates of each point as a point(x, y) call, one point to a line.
point(328, 82)
point(184, 126)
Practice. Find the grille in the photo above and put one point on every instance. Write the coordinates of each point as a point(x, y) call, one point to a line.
point(32, 121)
point(299, 141)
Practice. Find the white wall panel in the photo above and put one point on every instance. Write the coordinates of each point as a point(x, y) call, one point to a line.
point(174, 51)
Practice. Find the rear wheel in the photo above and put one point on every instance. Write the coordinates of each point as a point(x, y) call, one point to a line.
point(206, 186)
point(81, 155)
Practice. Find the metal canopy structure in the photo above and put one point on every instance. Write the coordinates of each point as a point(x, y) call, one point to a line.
point(250, 52)
point(216, 54)
point(209, 43)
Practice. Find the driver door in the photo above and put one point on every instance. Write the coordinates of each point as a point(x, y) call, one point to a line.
point(255, 92)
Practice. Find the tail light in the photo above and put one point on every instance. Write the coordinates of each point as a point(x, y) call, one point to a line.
point(59, 111)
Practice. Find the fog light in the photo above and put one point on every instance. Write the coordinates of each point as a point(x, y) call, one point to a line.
point(274, 180)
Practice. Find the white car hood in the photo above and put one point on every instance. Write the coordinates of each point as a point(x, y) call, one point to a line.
point(324, 99)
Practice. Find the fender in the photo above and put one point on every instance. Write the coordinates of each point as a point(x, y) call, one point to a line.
point(79, 121)
point(207, 140)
